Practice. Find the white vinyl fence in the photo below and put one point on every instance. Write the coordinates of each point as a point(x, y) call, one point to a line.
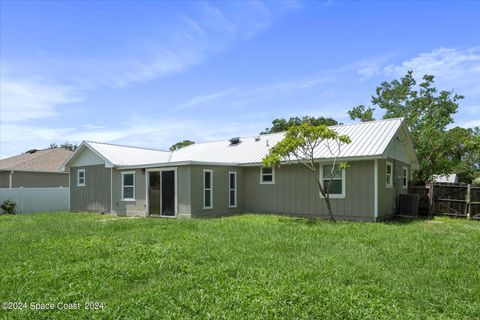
point(37, 199)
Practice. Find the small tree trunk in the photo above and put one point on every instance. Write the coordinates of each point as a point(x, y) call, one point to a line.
point(329, 207)
point(326, 197)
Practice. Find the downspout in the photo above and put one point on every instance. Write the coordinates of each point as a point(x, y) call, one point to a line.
point(111, 190)
point(375, 191)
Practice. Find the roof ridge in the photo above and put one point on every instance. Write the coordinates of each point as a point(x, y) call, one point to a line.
point(126, 146)
point(277, 133)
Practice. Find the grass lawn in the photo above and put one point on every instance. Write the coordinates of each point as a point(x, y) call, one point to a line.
point(244, 267)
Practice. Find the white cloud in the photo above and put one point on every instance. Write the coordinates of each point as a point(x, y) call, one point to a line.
point(242, 96)
point(453, 68)
point(155, 133)
point(472, 123)
point(29, 99)
point(440, 62)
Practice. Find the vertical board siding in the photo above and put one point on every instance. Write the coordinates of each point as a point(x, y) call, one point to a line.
point(387, 197)
point(95, 195)
point(295, 192)
point(220, 191)
point(129, 208)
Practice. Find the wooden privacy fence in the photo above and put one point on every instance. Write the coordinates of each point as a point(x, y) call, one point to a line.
point(450, 199)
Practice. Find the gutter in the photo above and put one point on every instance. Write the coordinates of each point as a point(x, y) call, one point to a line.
point(236, 164)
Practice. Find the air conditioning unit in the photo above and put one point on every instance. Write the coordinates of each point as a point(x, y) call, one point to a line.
point(408, 204)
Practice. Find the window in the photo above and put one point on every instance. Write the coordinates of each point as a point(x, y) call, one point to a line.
point(81, 177)
point(232, 189)
point(207, 189)
point(267, 175)
point(388, 175)
point(337, 187)
point(405, 178)
point(128, 186)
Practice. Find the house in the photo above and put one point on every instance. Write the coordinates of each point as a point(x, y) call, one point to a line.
point(226, 177)
point(35, 169)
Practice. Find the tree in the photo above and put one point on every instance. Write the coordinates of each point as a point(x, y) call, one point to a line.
point(427, 113)
point(299, 146)
point(280, 125)
point(362, 113)
point(181, 144)
point(463, 150)
point(66, 145)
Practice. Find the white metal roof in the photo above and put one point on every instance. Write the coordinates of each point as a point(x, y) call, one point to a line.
point(118, 155)
point(369, 139)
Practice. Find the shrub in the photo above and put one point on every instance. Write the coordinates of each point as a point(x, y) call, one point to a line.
point(476, 181)
point(8, 207)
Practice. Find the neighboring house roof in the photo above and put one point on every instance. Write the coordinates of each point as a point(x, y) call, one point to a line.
point(369, 140)
point(448, 178)
point(47, 160)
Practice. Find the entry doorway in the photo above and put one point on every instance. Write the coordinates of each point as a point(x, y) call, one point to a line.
point(162, 193)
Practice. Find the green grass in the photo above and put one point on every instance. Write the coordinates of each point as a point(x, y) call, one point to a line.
point(245, 267)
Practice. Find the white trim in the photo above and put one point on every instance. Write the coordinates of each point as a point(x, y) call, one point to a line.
point(147, 181)
point(404, 177)
point(262, 174)
point(84, 178)
point(389, 185)
point(205, 189)
point(344, 184)
point(123, 186)
point(375, 189)
point(234, 173)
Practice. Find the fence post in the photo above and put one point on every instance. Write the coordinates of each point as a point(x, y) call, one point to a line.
point(21, 199)
point(430, 196)
point(467, 201)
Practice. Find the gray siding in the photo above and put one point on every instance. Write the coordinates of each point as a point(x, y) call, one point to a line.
point(39, 179)
point(4, 179)
point(388, 197)
point(295, 193)
point(139, 206)
point(129, 208)
point(184, 191)
point(220, 191)
point(95, 195)
point(28, 179)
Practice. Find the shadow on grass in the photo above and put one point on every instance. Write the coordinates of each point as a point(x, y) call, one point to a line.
point(405, 219)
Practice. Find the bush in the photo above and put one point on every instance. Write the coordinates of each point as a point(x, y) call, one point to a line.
point(476, 181)
point(8, 207)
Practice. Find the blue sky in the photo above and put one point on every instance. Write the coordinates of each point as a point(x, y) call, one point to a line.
point(153, 73)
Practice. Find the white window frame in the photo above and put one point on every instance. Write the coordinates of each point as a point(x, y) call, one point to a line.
point(262, 174)
point(205, 189)
point(405, 177)
point(344, 184)
point(123, 185)
point(230, 173)
point(78, 178)
point(387, 184)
